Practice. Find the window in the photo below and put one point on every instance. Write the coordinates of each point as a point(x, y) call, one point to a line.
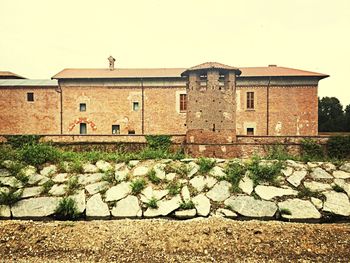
point(131, 131)
point(135, 106)
point(82, 107)
point(83, 128)
point(30, 96)
point(250, 131)
point(250, 100)
point(183, 102)
point(115, 129)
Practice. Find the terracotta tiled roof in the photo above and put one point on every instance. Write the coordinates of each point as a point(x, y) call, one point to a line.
point(119, 73)
point(176, 73)
point(275, 71)
point(9, 75)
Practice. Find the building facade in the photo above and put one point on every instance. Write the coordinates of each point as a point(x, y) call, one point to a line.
point(271, 101)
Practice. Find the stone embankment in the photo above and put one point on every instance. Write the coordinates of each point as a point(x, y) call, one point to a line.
point(178, 189)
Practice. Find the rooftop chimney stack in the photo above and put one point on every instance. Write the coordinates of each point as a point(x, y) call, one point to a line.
point(111, 62)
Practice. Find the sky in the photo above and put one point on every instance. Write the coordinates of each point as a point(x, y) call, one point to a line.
point(39, 38)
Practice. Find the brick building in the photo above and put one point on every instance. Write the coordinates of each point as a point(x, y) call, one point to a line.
point(253, 101)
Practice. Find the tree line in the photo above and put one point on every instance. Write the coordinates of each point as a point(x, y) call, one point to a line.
point(331, 115)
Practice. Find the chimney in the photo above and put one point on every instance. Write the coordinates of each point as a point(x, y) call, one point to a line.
point(111, 62)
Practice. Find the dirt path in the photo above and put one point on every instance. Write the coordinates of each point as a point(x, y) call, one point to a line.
point(205, 240)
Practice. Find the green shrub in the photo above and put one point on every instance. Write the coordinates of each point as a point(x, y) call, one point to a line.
point(39, 154)
point(260, 173)
point(137, 186)
point(205, 165)
point(278, 152)
point(10, 197)
point(152, 203)
point(311, 150)
point(156, 142)
point(67, 209)
point(187, 205)
point(234, 173)
point(21, 141)
point(339, 147)
point(174, 188)
point(151, 175)
point(8, 153)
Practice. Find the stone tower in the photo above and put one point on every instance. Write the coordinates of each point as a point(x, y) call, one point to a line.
point(211, 109)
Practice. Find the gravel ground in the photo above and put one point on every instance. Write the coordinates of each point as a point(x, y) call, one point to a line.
point(161, 240)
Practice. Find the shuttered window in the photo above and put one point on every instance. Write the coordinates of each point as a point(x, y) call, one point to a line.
point(250, 100)
point(183, 102)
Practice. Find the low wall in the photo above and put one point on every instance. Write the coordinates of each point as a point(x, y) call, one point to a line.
point(245, 146)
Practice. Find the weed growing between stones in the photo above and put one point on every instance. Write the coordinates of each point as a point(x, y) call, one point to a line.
point(285, 211)
point(261, 173)
point(338, 188)
point(181, 169)
point(67, 209)
point(304, 192)
point(174, 188)
point(138, 185)
point(152, 203)
point(47, 186)
point(205, 165)
point(234, 173)
point(109, 176)
point(10, 197)
point(72, 185)
point(151, 175)
point(187, 205)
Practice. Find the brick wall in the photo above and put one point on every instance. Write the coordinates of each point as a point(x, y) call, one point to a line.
point(19, 116)
point(107, 106)
point(293, 110)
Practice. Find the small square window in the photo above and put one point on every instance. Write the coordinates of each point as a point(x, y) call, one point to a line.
point(83, 128)
point(135, 106)
point(250, 131)
point(30, 96)
point(115, 129)
point(82, 107)
point(131, 131)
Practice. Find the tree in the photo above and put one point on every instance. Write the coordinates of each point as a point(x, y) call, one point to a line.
point(331, 117)
point(347, 118)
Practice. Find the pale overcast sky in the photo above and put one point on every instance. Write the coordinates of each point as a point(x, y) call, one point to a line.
point(40, 38)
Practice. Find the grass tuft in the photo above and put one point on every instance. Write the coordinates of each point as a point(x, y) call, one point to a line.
point(152, 203)
point(174, 188)
point(151, 175)
point(67, 209)
point(205, 165)
point(137, 186)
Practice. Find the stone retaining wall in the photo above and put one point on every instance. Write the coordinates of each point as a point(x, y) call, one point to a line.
point(302, 191)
